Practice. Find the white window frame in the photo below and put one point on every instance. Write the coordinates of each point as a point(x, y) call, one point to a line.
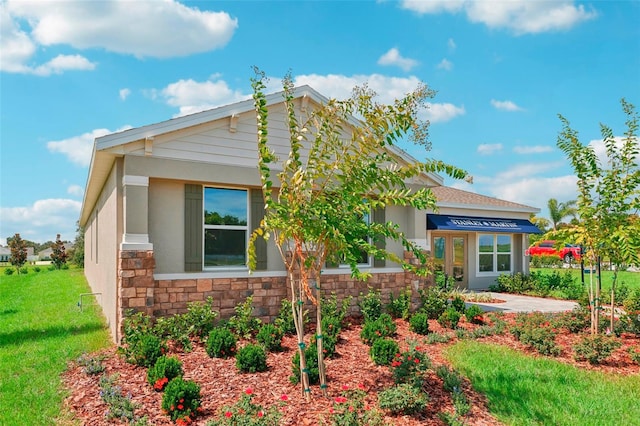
point(225, 227)
point(494, 253)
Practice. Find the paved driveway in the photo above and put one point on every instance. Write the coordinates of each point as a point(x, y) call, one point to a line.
point(518, 303)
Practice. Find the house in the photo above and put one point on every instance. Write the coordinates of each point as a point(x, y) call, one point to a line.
point(151, 190)
point(5, 254)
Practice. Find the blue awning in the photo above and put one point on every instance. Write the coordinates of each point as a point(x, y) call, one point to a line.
point(481, 224)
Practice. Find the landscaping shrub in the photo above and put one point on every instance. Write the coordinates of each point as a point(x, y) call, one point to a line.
point(535, 330)
point(402, 399)
point(163, 371)
point(380, 328)
point(9, 271)
point(251, 359)
point(221, 343)
point(449, 318)
point(245, 412)
point(438, 338)
point(513, 283)
point(331, 328)
point(458, 304)
point(331, 308)
point(383, 351)
point(419, 323)
point(200, 318)
point(433, 301)
point(24, 270)
point(311, 358)
point(243, 324)
point(349, 409)
point(145, 350)
point(632, 302)
point(451, 379)
point(595, 349)
point(36, 268)
point(400, 307)
point(575, 321)
point(409, 367)
point(370, 305)
point(270, 337)
point(634, 353)
point(181, 399)
point(474, 314)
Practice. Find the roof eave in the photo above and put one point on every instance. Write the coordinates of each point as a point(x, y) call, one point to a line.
point(523, 209)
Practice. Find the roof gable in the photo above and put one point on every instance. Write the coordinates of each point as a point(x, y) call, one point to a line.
point(453, 197)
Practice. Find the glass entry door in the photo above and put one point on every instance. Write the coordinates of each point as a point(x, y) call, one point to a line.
point(450, 257)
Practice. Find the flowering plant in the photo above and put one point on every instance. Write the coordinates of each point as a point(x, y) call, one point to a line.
point(181, 400)
point(349, 409)
point(245, 412)
point(410, 367)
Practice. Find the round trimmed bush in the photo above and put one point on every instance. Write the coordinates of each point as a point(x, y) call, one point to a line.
point(251, 359)
point(181, 399)
point(270, 337)
point(221, 343)
point(165, 368)
point(383, 351)
point(419, 323)
point(311, 358)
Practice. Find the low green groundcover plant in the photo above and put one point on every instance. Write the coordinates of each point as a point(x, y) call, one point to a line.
point(595, 349)
point(402, 399)
point(349, 409)
point(221, 343)
point(246, 413)
point(535, 330)
point(251, 359)
point(410, 367)
point(181, 399)
point(119, 405)
point(163, 371)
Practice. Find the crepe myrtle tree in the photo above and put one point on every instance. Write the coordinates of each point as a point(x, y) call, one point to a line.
point(18, 252)
point(58, 253)
point(338, 171)
point(608, 201)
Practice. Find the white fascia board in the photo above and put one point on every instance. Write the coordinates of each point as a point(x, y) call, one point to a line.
point(489, 208)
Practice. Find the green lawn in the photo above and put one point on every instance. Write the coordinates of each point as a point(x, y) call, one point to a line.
point(523, 390)
point(41, 329)
point(631, 279)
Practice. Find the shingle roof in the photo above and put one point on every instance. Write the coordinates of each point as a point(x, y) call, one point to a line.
point(448, 196)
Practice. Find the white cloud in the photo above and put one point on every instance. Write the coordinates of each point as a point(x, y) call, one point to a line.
point(489, 148)
point(601, 151)
point(505, 105)
point(62, 63)
point(75, 190)
point(124, 93)
point(537, 149)
point(534, 191)
point(393, 57)
point(445, 65)
point(524, 170)
point(41, 221)
point(78, 148)
point(439, 113)
point(128, 27)
point(519, 16)
point(451, 44)
point(192, 96)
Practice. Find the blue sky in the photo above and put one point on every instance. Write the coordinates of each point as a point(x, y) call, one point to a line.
point(74, 70)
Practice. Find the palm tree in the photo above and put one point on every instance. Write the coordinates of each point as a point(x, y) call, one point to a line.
point(558, 211)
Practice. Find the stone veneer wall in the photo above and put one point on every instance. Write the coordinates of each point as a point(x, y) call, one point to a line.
point(139, 291)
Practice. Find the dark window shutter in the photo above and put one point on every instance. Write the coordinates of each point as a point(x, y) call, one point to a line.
point(257, 213)
point(379, 217)
point(193, 228)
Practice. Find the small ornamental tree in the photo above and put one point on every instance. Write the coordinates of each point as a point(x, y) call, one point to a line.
point(18, 252)
point(608, 202)
point(59, 254)
point(339, 171)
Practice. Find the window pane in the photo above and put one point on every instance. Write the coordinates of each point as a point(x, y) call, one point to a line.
point(485, 243)
point(485, 262)
point(225, 206)
point(504, 243)
point(223, 247)
point(504, 262)
point(438, 253)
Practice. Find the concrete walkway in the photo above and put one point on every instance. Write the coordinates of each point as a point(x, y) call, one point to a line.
point(519, 303)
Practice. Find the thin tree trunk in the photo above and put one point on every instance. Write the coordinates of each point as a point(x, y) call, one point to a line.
point(613, 298)
point(320, 339)
point(297, 306)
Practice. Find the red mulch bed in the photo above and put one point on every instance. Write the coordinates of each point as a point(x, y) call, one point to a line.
point(222, 384)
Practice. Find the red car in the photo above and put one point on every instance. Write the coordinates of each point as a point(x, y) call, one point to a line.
point(568, 253)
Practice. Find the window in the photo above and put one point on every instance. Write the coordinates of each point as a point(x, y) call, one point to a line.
point(494, 253)
point(225, 227)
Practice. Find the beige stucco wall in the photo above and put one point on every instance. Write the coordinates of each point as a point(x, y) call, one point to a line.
point(102, 237)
